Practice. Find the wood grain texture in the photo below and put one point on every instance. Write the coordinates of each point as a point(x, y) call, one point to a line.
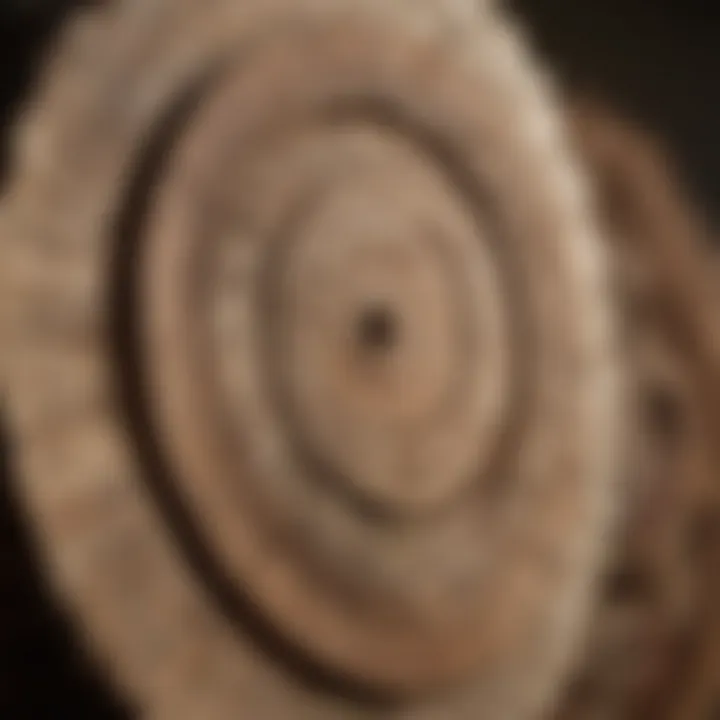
point(142, 504)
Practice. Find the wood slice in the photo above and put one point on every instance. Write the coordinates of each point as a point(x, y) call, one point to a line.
point(310, 354)
point(656, 641)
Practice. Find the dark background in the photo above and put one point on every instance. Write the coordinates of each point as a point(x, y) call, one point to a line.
point(658, 61)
